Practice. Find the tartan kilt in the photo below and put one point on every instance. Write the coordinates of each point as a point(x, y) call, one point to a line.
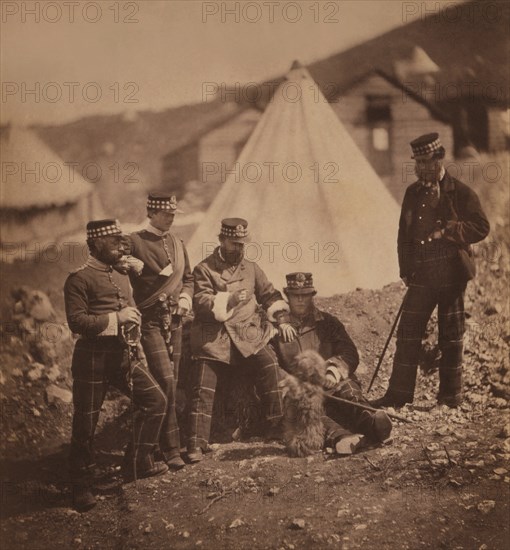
point(419, 303)
point(96, 364)
point(162, 369)
point(266, 372)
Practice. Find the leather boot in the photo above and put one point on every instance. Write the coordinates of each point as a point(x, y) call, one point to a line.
point(83, 499)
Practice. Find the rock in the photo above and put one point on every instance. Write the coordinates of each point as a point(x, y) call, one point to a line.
point(298, 523)
point(148, 529)
point(17, 372)
point(485, 506)
point(54, 373)
point(185, 534)
point(360, 526)
point(77, 540)
point(54, 393)
point(273, 491)
point(236, 523)
point(36, 412)
point(36, 371)
point(493, 309)
point(500, 471)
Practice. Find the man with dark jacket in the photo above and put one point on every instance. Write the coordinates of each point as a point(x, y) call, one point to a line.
point(322, 332)
point(163, 290)
point(100, 308)
point(228, 329)
point(441, 217)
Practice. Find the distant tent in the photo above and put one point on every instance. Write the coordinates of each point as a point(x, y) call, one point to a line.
point(337, 219)
point(41, 199)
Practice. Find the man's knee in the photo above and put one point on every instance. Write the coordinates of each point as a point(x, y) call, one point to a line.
point(155, 402)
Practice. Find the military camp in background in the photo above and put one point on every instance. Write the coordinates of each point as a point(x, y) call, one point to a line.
point(312, 200)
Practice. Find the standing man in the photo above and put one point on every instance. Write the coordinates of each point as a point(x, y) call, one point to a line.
point(441, 217)
point(320, 331)
point(228, 329)
point(163, 292)
point(99, 307)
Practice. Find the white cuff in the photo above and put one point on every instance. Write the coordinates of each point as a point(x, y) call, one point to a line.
point(113, 326)
point(220, 307)
point(341, 368)
point(186, 298)
point(333, 371)
point(279, 305)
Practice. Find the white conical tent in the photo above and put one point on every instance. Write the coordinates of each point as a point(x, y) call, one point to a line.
point(312, 200)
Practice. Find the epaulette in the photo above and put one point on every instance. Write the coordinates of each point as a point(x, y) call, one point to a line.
point(79, 268)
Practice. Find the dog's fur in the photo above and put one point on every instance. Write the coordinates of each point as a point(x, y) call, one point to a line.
point(303, 431)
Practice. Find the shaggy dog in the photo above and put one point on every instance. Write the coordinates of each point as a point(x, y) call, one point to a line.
point(303, 431)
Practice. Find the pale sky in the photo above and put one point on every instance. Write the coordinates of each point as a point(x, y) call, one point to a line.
point(85, 58)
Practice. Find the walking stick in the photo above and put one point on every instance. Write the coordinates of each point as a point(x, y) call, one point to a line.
point(379, 363)
point(131, 336)
point(366, 407)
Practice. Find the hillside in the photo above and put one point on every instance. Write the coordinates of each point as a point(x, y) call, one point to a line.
point(443, 483)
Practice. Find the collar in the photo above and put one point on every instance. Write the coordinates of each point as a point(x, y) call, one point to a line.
point(438, 182)
point(446, 183)
point(222, 259)
point(155, 231)
point(94, 263)
point(310, 318)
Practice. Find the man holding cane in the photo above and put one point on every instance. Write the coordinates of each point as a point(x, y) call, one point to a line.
point(441, 217)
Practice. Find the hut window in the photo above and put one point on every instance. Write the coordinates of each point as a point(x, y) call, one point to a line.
point(379, 132)
point(378, 109)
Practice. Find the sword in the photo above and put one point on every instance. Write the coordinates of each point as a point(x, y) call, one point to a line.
point(131, 336)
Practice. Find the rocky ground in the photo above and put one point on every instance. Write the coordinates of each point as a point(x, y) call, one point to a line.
point(443, 482)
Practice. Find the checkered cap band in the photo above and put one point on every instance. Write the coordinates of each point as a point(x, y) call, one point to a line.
point(237, 231)
point(426, 148)
point(299, 280)
point(104, 231)
point(169, 203)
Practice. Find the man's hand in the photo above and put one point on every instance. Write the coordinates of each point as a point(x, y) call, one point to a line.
point(330, 382)
point(129, 264)
point(437, 234)
point(182, 307)
point(128, 314)
point(287, 332)
point(237, 297)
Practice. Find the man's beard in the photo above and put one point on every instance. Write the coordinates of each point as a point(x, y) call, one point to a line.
point(233, 258)
point(107, 256)
point(428, 176)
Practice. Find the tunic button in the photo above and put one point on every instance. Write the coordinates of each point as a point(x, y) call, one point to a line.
point(422, 242)
point(419, 217)
point(423, 205)
point(430, 239)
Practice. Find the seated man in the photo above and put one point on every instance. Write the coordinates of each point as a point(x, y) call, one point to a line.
point(319, 331)
point(100, 308)
point(229, 330)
